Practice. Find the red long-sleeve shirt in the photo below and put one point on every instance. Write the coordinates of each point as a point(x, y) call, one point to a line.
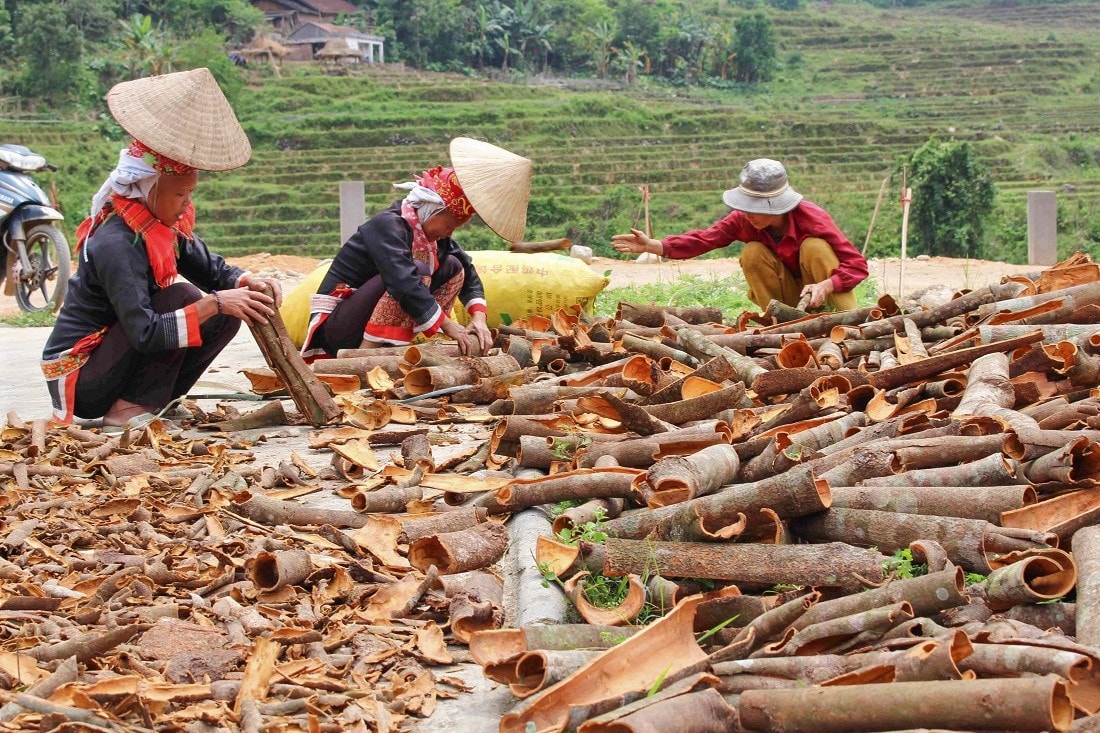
point(805, 220)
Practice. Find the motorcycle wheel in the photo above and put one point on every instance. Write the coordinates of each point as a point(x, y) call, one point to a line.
point(43, 287)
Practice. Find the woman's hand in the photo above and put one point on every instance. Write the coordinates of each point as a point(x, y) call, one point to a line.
point(458, 333)
point(251, 306)
point(637, 241)
point(262, 284)
point(480, 331)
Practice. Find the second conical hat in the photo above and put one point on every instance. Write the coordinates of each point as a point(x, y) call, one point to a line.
point(497, 182)
point(183, 116)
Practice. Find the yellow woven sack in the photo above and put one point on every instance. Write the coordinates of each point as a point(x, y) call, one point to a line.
point(519, 285)
point(295, 308)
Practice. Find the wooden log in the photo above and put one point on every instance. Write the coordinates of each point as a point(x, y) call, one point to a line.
point(789, 381)
point(644, 452)
point(492, 647)
point(1027, 704)
point(657, 350)
point(834, 565)
point(309, 395)
point(986, 502)
point(927, 594)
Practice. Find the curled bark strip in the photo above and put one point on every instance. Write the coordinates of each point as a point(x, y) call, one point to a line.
point(993, 470)
point(310, 396)
point(796, 355)
point(728, 512)
point(1038, 577)
point(564, 560)
point(652, 315)
point(1062, 515)
point(673, 480)
point(587, 512)
point(271, 571)
point(1013, 660)
point(539, 669)
point(935, 660)
point(644, 452)
point(705, 711)
point(661, 650)
point(964, 539)
point(584, 483)
point(927, 594)
point(618, 615)
point(274, 512)
point(925, 368)
point(460, 371)
point(1077, 464)
point(87, 646)
point(833, 565)
point(745, 369)
point(986, 502)
point(269, 415)
point(457, 552)
point(764, 628)
point(847, 632)
point(492, 647)
point(1029, 704)
point(698, 408)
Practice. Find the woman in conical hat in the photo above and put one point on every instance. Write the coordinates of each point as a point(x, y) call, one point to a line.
point(399, 274)
point(129, 338)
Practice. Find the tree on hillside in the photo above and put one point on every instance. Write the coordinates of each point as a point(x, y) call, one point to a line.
point(603, 39)
point(755, 47)
point(6, 39)
point(146, 50)
point(639, 21)
point(630, 59)
point(952, 196)
point(52, 51)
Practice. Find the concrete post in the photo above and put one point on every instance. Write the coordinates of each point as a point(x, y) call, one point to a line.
point(1042, 228)
point(353, 208)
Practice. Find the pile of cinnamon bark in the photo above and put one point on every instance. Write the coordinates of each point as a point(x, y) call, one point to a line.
point(873, 520)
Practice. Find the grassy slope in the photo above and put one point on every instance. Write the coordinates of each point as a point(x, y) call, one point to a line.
point(859, 87)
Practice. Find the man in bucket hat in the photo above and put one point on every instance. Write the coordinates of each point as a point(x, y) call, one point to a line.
point(399, 274)
point(130, 339)
point(793, 249)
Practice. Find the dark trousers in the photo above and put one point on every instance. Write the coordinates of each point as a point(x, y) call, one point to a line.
point(343, 329)
point(116, 370)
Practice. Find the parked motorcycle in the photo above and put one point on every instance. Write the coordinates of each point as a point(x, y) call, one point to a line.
point(35, 256)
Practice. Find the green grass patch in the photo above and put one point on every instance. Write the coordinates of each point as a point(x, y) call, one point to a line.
point(30, 320)
point(728, 293)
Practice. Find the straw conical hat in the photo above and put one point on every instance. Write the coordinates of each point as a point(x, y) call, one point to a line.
point(183, 116)
point(498, 184)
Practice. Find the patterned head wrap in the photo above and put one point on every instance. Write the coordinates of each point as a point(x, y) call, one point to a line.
point(444, 182)
point(163, 164)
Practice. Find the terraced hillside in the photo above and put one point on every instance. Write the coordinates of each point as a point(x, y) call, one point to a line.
point(859, 88)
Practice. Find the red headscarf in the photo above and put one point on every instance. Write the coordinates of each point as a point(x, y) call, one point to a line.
point(445, 183)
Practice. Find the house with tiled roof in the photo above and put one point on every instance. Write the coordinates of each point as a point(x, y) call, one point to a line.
point(307, 27)
point(286, 15)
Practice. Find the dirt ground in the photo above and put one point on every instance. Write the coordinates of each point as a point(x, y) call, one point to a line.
point(921, 273)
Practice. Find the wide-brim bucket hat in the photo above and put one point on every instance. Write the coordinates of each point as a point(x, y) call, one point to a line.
point(497, 183)
point(763, 189)
point(183, 116)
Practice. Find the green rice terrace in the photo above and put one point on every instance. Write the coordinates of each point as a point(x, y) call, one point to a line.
point(858, 89)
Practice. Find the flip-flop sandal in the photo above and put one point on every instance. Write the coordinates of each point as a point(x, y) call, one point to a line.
point(138, 422)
